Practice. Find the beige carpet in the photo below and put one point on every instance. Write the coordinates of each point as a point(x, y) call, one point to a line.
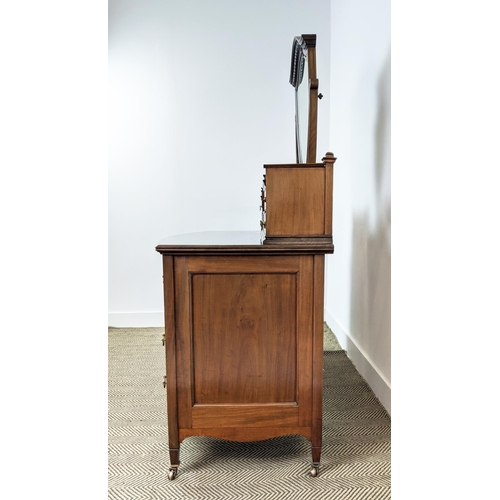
point(330, 341)
point(355, 462)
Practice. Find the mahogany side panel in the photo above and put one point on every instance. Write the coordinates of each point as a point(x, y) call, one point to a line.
point(295, 201)
point(244, 345)
point(244, 328)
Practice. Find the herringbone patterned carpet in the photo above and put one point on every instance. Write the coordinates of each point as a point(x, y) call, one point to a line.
point(355, 462)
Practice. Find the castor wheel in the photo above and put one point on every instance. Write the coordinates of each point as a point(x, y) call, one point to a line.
point(172, 473)
point(314, 470)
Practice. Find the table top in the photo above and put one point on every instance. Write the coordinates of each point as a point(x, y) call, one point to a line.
point(234, 243)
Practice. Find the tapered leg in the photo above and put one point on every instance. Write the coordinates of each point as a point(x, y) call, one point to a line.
point(316, 446)
point(174, 463)
point(316, 458)
point(316, 454)
point(317, 409)
point(171, 364)
point(174, 457)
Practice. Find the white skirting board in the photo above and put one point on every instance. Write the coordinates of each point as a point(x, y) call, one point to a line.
point(377, 382)
point(135, 319)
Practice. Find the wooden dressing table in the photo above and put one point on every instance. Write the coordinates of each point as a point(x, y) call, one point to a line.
point(244, 310)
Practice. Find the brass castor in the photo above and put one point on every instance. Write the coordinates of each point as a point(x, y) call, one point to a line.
point(172, 473)
point(314, 470)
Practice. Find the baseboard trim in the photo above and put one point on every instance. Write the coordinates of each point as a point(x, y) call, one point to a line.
point(135, 319)
point(377, 382)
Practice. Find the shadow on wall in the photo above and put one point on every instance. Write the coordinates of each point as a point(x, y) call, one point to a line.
point(371, 247)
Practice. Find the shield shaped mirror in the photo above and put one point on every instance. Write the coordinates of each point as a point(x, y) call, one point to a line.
point(303, 79)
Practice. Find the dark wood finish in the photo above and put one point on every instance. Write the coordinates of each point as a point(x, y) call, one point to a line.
point(317, 347)
point(235, 359)
point(244, 326)
point(243, 319)
point(174, 457)
point(236, 243)
point(295, 201)
point(299, 203)
point(245, 434)
point(328, 161)
point(279, 415)
point(313, 103)
point(299, 240)
point(243, 342)
point(170, 358)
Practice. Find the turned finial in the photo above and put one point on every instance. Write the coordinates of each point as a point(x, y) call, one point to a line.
point(329, 158)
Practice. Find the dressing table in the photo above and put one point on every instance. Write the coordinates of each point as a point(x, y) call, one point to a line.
point(244, 310)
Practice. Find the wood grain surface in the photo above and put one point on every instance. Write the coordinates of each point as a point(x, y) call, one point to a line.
point(244, 338)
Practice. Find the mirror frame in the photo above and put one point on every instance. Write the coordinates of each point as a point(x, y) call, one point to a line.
point(304, 47)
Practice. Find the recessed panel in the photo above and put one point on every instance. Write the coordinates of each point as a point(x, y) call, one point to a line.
point(244, 338)
point(295, 201)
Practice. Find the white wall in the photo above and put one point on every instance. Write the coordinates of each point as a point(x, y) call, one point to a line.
point(358, 288)
point(199, 101)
